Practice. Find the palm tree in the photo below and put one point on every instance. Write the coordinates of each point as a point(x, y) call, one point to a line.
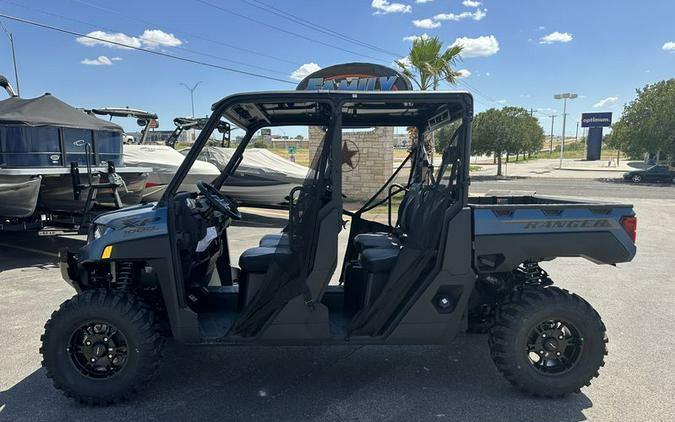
point(427, 66)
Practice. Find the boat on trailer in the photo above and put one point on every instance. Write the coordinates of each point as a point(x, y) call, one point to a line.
point(262, 177)
point(47, 149)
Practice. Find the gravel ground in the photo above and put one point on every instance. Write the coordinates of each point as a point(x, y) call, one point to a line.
point(455, 382)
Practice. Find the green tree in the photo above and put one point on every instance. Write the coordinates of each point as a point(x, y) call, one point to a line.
point(647, 123)
point(505, 131)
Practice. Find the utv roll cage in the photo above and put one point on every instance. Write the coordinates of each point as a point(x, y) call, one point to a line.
point(354, 109)
point(315, 209)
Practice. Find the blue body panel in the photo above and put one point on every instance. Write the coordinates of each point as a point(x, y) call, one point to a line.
point(140, 222)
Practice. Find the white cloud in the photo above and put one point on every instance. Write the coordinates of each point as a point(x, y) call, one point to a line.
point(151, 38)
point(424, 36)
point(471, 3)
point(477, 15)
point(405, 60)
point(102, 37)
point(487, 73)
point(157, 38)
point(501, 101)
point(382, 7)
point(99, 61)
point(116, 59)
point(541, 28)
point(478, 47)
point(556, 37)
point(669, 46)
point(304, 70)
point(464, 73)
point(426, 23)
point(606, 102)
point(423, 1)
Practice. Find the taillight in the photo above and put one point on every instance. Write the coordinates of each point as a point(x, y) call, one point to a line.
point(151, 184)
point(629, 223)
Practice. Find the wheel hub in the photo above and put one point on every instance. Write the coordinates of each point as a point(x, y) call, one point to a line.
point(98, 350)
point(554, 346)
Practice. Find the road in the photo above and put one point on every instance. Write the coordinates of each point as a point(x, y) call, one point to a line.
point(456, 382)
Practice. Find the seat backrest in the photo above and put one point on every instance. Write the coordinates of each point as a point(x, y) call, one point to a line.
point(408, 207)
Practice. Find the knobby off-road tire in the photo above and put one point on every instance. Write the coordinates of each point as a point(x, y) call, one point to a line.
point(101, 346)
point(524, 352)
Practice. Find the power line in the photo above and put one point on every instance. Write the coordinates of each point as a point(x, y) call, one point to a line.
point(295, 34)
point(311, 25)
point(145, 50)
point(191, 34)
point(201, 53)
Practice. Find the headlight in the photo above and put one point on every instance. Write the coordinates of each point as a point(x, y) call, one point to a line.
point(99, 230)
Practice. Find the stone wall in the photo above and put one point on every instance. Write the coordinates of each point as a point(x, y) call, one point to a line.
point(372, 164)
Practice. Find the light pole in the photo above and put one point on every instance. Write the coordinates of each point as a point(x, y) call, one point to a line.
point(192, 102)
point(192, 94)
point(564, 97)
point(11, 42)
point(550, 149)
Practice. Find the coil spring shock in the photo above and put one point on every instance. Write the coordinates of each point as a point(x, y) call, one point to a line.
point(534, 274)
point(125, 278)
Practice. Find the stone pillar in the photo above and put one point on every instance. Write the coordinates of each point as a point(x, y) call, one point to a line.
point(371, 155)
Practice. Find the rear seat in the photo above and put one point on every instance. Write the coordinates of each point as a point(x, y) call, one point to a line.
point(379, 252)
point(406, 212)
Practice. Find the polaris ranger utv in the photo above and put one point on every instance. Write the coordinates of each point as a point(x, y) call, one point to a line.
point(448, 264)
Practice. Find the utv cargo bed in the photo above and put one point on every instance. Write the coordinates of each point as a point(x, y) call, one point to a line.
point(510, 230)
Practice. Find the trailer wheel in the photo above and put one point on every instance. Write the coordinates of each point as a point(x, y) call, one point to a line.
point(101, 346)
point(547, 341)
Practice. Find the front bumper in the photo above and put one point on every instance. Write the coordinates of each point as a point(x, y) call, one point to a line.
point(68, 264)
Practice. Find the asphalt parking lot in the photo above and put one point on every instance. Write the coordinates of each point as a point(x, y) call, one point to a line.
point(454, 382)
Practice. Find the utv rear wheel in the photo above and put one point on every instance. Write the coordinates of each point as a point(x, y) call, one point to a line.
point(101, 347)
point(547, 341)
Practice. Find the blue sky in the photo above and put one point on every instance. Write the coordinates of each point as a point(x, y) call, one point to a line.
point(517, 52)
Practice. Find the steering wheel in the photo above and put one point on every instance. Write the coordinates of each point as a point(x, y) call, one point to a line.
point(220, 202)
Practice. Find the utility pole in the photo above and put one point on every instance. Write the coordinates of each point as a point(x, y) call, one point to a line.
point(192, 94)
point(564, 97)
point(576, 135)
point(11, 42)
point(550, 150)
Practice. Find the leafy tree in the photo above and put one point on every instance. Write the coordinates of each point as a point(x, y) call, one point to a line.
point(508, 130)
point(647, 123)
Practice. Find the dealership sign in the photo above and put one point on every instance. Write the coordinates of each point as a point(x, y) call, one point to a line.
point(596, 119)
point(356, 77)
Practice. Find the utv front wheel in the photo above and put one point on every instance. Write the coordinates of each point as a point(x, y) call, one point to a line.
point(101, 347)
point(547, 341)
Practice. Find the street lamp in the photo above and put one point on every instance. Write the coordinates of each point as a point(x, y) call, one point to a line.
point(11, 42)
point(192, 94)
point(192, 101)
point(564, 97)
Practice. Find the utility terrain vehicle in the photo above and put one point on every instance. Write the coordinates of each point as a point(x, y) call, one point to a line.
point(447, 265)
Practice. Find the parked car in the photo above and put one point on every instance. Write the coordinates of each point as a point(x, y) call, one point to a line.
point(651, 174)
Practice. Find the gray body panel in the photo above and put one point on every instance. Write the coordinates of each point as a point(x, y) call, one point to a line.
point(512, 230)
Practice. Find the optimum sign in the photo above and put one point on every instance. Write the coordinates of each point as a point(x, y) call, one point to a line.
point(356, 77)
point(596, 119)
